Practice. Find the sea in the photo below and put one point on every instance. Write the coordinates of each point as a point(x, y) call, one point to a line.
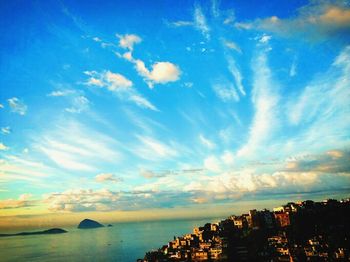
point(124, 242)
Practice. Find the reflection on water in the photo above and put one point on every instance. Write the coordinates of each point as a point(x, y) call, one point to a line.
point(122, 242)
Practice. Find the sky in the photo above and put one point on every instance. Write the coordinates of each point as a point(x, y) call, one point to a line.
point(144, 109)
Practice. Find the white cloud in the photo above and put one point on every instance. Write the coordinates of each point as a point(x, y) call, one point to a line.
point(226, 91)
point(82, 200)
point(200, 22)
point(322, 109)
point(65, 92)
point(227, 134)
point(153, 149)
point(1, 106)
point(231, 17)
point(164, 72)
point(128, 41)
point(182, 23)
point(233, 68)
point(14, 168)
point(97, 39)
point(206, 142)
point(212, 164)
point(143, 102)
point(215, 8)
point(265, 101)
point(293, 68)
point(66, 160)
point(232, 45)
point(264, 39)
point(74, 146)
point(17, 106)
point(3, 147)
point(107, 177)
point(188, 84)
point(79, 104)
point(117, 81)
point(92, 81)
point(228, 158)
point(6, 130)
point(161, 73)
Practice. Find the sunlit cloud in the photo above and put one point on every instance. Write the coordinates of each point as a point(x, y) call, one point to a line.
point(315, 21)
point(24, 200)
point(107, 177)
point(128, 41)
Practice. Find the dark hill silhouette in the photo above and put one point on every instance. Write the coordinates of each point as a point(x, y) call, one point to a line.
point(89, 223)
point(45, 232)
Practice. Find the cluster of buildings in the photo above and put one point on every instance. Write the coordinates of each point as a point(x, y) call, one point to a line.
point(205, 243)
point(301, 231)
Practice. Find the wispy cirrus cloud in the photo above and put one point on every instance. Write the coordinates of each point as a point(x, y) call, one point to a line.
point(200, 22)
point(119, 85)
point(63, 92)
point(78, 102)
point(74, 146)
point(225, 91)
point(206, 142)
point(17, 106)
point(232, 45)
point(153, 149)
point(20, 168)
point(265, 100)
point(182, 23)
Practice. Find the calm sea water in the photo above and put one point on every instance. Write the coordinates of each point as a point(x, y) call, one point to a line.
point(122, 242)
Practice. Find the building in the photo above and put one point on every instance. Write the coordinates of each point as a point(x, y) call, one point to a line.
point(282, 219)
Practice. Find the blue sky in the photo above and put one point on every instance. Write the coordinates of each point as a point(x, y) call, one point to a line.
point(136, 105)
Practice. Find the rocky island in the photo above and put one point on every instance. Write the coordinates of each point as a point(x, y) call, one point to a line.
point(45, 232)
point(89, 223)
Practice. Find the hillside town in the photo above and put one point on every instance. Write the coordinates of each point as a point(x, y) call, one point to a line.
point(300, 231)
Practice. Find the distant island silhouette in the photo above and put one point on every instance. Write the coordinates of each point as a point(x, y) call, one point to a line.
point(89, 223)
point(45, 232)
